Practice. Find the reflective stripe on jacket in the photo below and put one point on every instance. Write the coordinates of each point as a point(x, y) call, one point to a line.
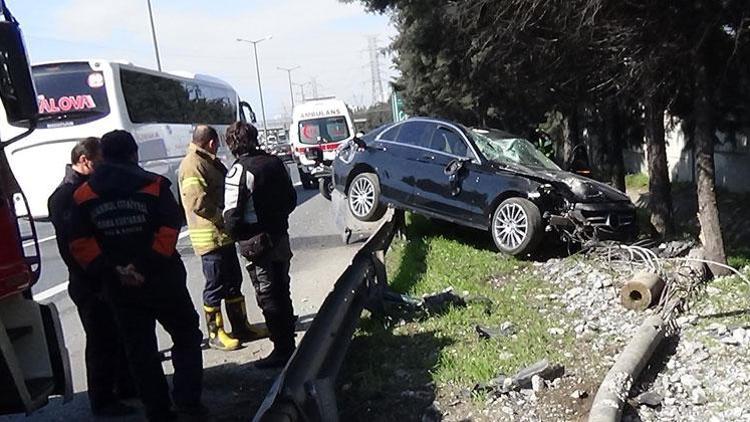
point(201, 177)
point(259, 196)
point(124, 215)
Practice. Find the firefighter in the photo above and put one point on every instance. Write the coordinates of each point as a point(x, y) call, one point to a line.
point(201, 176)
point(259, 196)
point(125, 225)
point(107, 373)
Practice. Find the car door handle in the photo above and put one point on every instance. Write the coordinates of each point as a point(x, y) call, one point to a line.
point(427, 157)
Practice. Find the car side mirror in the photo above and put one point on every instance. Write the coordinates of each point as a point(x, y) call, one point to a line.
point(455, 170)
point(358, 141)
point(16, 85)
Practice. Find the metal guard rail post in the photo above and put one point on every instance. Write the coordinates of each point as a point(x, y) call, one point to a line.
point(305, 389)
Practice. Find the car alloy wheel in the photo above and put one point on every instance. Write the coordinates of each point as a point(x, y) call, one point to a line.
point(362, 197)
point(511, 226)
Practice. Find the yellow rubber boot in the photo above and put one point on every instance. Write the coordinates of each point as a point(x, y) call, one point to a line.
point(218, 338)
point(241, 328)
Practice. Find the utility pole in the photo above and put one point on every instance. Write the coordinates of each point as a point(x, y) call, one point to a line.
point(153, 35)
point(288, 71)
point(376, 80)
point(260, 88)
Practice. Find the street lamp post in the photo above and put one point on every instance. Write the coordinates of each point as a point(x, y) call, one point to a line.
point(288, 71)
point(153, 35)
point(260, 88)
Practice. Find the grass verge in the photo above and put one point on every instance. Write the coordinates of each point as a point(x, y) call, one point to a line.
point(444, 350)
point(727, 301)
point(636, 181)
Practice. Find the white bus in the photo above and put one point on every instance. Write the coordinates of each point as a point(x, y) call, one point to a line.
point(78, 99)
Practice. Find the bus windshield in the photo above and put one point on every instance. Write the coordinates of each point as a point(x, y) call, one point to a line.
point(329, 129)
point(69, 94)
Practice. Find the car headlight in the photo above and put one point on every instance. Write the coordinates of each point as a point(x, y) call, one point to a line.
point(581, 188)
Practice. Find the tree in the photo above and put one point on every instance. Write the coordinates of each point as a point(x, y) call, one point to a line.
point(612, 69)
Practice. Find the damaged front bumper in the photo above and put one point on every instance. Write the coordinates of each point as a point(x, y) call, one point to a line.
point(601, 221)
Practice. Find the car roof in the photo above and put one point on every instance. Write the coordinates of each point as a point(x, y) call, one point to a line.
point(432, 119)
point(499, 132)
point(468, 128)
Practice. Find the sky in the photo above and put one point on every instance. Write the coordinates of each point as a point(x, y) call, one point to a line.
point(326, 38)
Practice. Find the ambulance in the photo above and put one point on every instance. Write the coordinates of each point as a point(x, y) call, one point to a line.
point(323, 123)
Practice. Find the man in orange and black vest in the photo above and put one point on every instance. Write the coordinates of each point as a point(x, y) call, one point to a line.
point(107, 373)
point(125, 225)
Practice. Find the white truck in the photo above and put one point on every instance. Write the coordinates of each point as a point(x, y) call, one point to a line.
point(34, 362)
point(322, 123)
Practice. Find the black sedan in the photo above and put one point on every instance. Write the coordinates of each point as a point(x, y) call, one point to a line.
point(482, 178)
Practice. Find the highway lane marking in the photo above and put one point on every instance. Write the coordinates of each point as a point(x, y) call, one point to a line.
point(57, 289)
point(31, 242)
point(51, 292)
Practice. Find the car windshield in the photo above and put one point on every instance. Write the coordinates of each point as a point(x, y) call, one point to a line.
point(499, 147)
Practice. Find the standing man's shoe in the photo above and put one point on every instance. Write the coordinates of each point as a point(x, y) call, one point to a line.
point(241, 328)
point(218, 338)
point(277, 359)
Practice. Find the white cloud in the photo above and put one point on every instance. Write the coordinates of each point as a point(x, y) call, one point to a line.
point(327, 38)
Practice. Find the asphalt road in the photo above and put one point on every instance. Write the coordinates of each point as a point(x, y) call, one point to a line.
point(232, 388)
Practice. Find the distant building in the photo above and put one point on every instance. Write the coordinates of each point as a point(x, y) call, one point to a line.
point(731, 157)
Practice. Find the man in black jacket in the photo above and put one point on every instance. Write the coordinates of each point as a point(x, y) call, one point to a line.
point(125, 225)
point(258, 198)
point(107, 374)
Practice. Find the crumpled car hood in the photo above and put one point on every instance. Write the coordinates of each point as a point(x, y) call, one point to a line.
point(582, 188)
point(585, 189)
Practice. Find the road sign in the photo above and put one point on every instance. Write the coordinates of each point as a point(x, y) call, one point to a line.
point(397, 107)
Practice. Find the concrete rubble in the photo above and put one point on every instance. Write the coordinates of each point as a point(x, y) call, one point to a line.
point(706, 379)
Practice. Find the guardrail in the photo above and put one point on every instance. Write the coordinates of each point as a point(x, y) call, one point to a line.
point(305, 389)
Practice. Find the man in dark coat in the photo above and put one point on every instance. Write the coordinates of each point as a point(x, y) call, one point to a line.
point(125, 225)
point(107, 374)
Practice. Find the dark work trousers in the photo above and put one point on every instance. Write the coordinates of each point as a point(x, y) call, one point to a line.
point(270, 277)
point(107, 371)
point(163, 298)
point(221, 267)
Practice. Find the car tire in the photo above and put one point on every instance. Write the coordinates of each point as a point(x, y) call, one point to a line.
point(363, 197)
point(325, 185)
point(516, 227)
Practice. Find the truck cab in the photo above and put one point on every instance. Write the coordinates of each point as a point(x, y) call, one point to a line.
point(34, 361)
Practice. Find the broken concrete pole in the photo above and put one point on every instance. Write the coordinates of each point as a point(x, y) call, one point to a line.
point(614, 390)
point(642, 291)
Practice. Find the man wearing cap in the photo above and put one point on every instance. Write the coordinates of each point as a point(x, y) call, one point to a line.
point(201, 178)
point(124, 225)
